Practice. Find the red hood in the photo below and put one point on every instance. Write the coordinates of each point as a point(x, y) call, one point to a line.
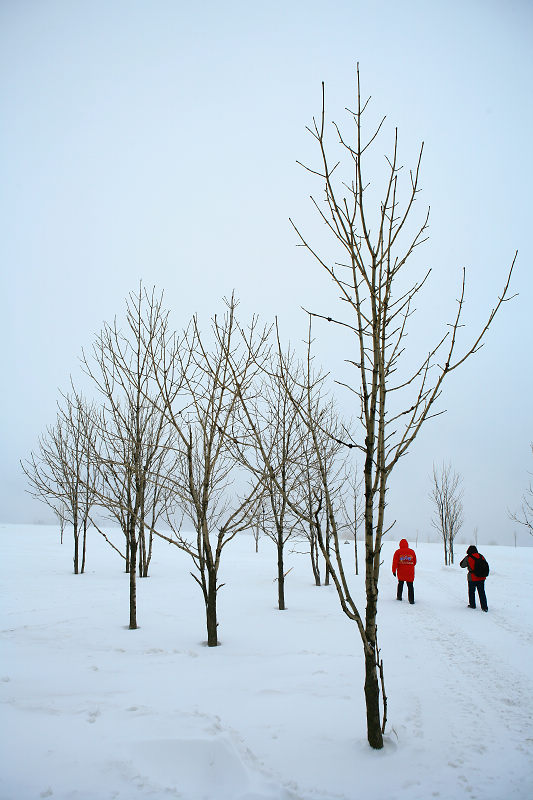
point(404, 544)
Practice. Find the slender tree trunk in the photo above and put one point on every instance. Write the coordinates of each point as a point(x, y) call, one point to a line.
point(142, 553)
point(143, 556)
point(76, 547)
point(211, 608)
point(149, 554)
point(326, 578)
point(355, 531)
point(373, 718)
point(84, 545)
point(328, 550)
point(133, 581)
point(313, 548)
point(281, 574)
point(373, 714)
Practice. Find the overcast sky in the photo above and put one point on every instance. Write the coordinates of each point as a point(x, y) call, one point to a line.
point(158, 140)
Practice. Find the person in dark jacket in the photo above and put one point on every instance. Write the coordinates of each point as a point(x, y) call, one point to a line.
point(403, 566)
point(474, 581)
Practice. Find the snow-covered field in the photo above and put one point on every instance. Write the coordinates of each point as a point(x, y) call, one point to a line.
point(91, 710)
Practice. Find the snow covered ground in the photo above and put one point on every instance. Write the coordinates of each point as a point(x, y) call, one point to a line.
point(91, 710)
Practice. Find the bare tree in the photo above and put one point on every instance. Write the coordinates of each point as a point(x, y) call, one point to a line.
point(327, 473)
point(525, 515)
point(447, 497)
point(62, 474)
point(259, 525)
point(274, 442)
point(356, 518)
point(133, 434)
point(203, 415)
point(308, 523)
point(393, 399)
point(60, 514)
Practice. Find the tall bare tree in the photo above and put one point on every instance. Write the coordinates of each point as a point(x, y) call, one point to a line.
point(394, 399)
point(63, 473)
point(447, 496)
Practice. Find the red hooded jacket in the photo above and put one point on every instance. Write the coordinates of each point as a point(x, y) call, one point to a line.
point(403, 563)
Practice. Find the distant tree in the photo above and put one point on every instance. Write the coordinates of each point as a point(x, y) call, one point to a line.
point(447, 497)
point(259, 525)
point(60, 514)
point(273, 439)
point(308, 522)
point(63, 474)
point(373, 245)
point(355, 511)
point(328, 475)
point(525, 516)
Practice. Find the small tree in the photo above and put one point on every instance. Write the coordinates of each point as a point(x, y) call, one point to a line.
point(525, 516)
point(447, 497)
point(63, 474)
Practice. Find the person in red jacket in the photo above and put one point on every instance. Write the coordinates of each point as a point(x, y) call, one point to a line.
point(403, 566)
point(474, 581)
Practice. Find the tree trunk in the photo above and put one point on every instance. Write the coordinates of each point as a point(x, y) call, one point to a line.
point(142, 553)
point(150, 546)
point(76, 548)
point(133, 584)
point(84, 545)
point(127, 554)
point(314, 559)
point(281, 575)
point(373, 717)
point(328, 546)
point(211, 609)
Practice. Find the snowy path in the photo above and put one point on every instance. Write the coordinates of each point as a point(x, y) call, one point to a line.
point(472, 700)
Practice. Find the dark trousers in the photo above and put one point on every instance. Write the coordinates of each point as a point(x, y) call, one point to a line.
point(480, 586)
point(410, 591)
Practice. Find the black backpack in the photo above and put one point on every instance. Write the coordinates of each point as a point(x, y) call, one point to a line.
point(481, 566)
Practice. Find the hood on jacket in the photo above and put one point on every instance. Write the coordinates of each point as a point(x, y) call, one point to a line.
point(404, 544)
point(471, 549)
